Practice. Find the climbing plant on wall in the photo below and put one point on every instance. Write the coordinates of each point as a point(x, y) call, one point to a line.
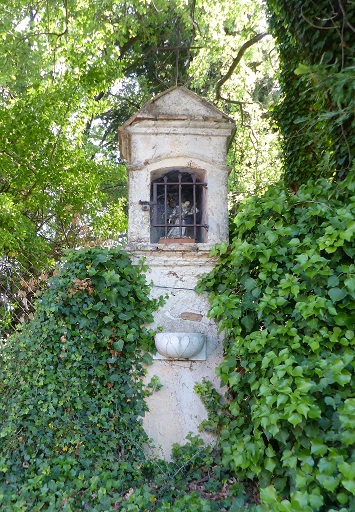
point(71, 387)
point(72, 399)
point(315, 41)
point(284, 293)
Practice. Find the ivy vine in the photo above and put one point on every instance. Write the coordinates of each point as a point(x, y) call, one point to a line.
point(71, 387)
point(284, 294)
point(315, 41)
point(72, 398)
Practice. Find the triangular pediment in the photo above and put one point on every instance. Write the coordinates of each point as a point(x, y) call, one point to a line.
point(178, 103)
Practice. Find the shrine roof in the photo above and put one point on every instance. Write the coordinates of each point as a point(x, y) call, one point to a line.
point(178, 103)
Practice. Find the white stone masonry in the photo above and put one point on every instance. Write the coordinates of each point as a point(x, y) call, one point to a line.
point(178, 133)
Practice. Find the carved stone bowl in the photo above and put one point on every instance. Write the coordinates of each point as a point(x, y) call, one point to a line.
point(179, 345)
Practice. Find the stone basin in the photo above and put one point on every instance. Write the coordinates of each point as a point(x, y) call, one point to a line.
point(179, 345)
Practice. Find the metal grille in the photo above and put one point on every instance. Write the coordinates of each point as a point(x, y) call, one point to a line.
point(177, 205)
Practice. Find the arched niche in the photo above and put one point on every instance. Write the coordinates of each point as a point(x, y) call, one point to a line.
point(178, 206)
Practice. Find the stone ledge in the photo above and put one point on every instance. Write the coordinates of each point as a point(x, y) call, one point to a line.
point(171, 247)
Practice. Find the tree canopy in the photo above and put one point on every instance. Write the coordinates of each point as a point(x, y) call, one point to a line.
point(71, 72)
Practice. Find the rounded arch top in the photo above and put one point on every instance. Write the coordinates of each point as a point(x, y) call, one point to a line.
point(197, 165)
point(160, 172)
point(151, 221)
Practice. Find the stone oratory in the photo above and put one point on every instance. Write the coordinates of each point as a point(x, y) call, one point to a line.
point(175, 148)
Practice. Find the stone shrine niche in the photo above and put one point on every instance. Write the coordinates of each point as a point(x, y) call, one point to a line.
point(175, 148)
point(177, 207)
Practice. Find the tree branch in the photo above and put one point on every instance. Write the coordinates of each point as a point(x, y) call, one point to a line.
point(320, 27)
point(345, 16)
point(57, 34)
point(235, 63)
point(175, 48)
point(127, 45)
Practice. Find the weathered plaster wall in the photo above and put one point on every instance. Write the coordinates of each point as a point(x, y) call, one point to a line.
point(178, 130)
point(176, 410)
point(150, 142)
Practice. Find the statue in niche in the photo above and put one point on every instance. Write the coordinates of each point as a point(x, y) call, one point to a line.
point(178, 217)
point(176, 205)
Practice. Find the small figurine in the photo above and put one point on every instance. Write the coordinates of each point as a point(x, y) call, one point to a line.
point(178, 217)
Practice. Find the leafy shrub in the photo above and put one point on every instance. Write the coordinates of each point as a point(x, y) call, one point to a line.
point(71, 399)
point(71, 391)
point(284, 293)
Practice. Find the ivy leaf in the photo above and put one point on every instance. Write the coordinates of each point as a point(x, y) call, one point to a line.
point(349, 485)
point(302, 69)
point(328, 482)
point(350, 283)
point(248, 322)
point(295, 419)
point(118, 345)
point(347, 470)
point(337, 294)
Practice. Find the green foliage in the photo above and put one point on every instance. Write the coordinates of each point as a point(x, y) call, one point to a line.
point(198, 481)
point(71, 74)
point(50, 184)
point(315, 41)
point(71, 388)
point(284, 294)
point(212, 401)
point(57, 66)
point(247, 95)
point(72, 399)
